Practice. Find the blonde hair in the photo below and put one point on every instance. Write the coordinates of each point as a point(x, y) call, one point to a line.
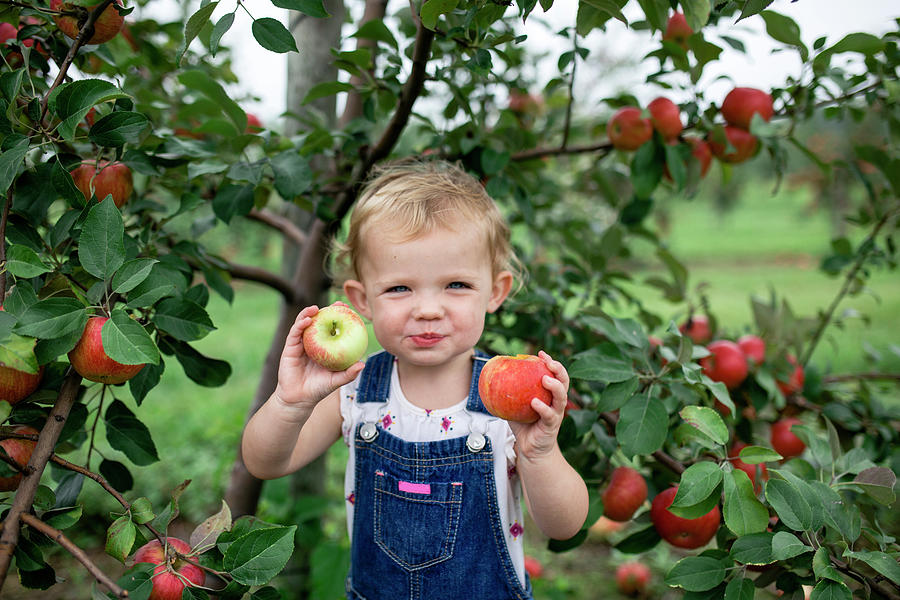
point(406, 199)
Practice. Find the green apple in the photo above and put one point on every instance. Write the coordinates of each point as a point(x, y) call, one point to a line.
point(336, 338)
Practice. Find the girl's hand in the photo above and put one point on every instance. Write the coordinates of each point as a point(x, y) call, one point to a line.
point(300, 379)
point(534, 440)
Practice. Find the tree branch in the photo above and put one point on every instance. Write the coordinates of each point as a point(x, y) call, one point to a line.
point(279, 223)
point(374, 11)
point(24, 497)
point(57, 536)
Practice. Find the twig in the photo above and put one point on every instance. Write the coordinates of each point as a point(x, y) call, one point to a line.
point(871, 376)
point(568, 121)
point(559, 151)
point(276, 221)
point(24, 497)
point(865, 249)
point(57, 536)
point(3, 220)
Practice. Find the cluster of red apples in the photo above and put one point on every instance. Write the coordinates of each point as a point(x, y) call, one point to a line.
point(631, 127)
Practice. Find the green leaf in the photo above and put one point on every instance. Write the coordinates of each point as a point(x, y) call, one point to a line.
point(744, 513)
point(132, 273)
point(293, 174)
point(753, 549)
point(273, 35)
point(192, 28)
point(698, 482)
point(258, 556)
point(883, 563)
point(822, 566)
point(754, 455)
point(52, 318)
point(708, 421)
point(786, 545)
point(647, 169)
point(71, 102)
point(753, 7)
point(830, 590)
point(11, 160)
point(22, 261)
point(182, 319)
point(603, 362)
point(233, 200)
point(740, 588)
point(863, 43)
point(696, 573)
point(878, 483)
point(375, 29)
point(126, 433)
point(220, 29)
point(643, 425)
point(838, 514)
point(785, 30)
point(617, 394)
point(696, 12)
point(101, 246)
point(313, 8)
point(120, 538)
point(119, 128)
point(126, 341)
point(791, 506)
point(17, 352)
point(433, 9)
point(197, 80)
point(325, 89)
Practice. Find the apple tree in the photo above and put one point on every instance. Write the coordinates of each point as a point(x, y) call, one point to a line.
point(796, 465)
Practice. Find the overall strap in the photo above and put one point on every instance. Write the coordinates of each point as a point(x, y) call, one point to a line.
point(375, 380)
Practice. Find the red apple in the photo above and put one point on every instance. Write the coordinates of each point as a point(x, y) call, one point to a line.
point(20, 451)
point(171, 573)
point(106, 27)
point(750, 470)
point(698, 328)
point(794, 384)
point(625, 493)
point(508, 384)
point(604, 526)
point(665, 117)
point(742, 103)
point(680, 532)
point(744, 143)
point(533, 567)
point(726, 363)
point(90, 360)
point(702, 152)
point(16, 385)
point(336, 338)
point(254, 125)
point(103, 178)
point(632, 578)
point(754, 348)
point(784, 441)
point(524, 103)
point(627, 129)
point(678, 30)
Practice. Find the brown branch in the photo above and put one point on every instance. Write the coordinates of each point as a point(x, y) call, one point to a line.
point(374, 11)
point(534, 153)
point(80, 555)
point(24, 497)
point(3, 221)
point(279, 223)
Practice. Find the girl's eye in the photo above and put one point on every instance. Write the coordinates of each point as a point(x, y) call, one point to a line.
point(397, 289)
point(459, 285)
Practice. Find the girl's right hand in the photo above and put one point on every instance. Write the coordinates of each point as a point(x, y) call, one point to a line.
point(300, 379)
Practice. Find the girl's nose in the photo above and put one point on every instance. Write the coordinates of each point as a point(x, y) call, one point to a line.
point(428, 307)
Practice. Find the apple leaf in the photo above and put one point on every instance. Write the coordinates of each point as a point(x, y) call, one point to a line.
point(17, 352)
point(118, 128)
point(740, 588)
point(192, 28)
point(696, 573)
point(16, 147)
point(205, 371)
point(132, 273)
point(219, 29)
point(199, 81)
point(617, 394)
point(885, 564)
point(63, 518)
point(52, 318)
point(792, 508)
point(126, 341)
point(753, 549)
point(878, 483)
point(258, 556)
point(273, 35)
point(784, 29)
point(375, 29)
point(293, 175)
point(432, 10)
point(126, 433)
point(182, 319)
point(830, 590)
point(72, 101)
point(698, 482)
point(708, 421)
point(604, 362)
point(138, 581)
point(744, 513)
point(786, 545)
point(838, 514)
point(643, 425)
point(754, 455)
point(117, 474)
point(822, 565)
point(120, 538)
point(101, 246)
point(233, 200)
point(206, 533)
point(313, 8)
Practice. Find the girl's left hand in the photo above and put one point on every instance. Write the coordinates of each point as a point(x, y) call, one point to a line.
point(537, 439)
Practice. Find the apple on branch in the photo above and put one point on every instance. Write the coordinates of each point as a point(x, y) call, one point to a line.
point(741, 103)
point(678, 30)
point(678, 531)
point(784, 441)
point(90, 360)
point(625, 493)
point(336, 338)
point(665, 117)
point(103, 178)
point(71, 17)
point(726, 363)
point(20, 451)
point(628, 129)
point(171, 573)
point(508, 384)
point(698, 328)
point(743, 145)
point(632, 578)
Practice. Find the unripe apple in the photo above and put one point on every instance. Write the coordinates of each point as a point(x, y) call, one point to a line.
point(336, 338)
point(103, 178)
point(784, 441)
point(106, 26)
point(665, 117)
point(625, 493)
point(680, 532)
point(750, 470)
point(20, 451)
point(90, 360)
point(627, 129)
point(742, 103)
point(794, 384)
point(754, 348)
point(744, 143)
point(678, 30)
point(171, 573)
point(698, 328)
point(726, 363)
point(508, 384)
point(632, 578)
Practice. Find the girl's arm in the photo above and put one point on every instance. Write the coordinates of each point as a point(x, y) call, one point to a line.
point(301, 418)
point(555, 494)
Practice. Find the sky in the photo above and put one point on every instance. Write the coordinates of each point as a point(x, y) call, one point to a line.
point(263, 73)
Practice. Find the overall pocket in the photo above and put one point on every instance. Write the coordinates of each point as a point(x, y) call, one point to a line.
point(416, 523)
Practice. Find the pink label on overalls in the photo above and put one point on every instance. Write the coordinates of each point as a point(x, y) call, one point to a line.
point(414, 488)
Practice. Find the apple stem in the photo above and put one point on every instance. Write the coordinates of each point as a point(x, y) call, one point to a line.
point(334, 328)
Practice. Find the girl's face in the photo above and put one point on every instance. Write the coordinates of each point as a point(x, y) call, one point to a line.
point(427, 297)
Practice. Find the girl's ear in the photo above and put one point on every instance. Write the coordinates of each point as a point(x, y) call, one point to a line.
point(356, 293)
point(500, 290)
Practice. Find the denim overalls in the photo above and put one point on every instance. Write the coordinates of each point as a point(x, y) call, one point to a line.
point(426, 522)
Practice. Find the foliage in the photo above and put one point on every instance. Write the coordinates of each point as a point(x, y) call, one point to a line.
point(156, 98)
